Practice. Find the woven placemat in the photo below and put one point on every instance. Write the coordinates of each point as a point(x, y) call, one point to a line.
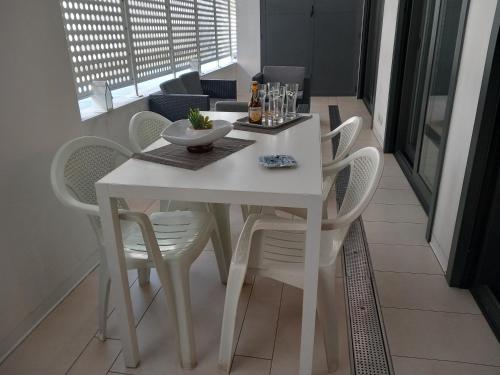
point(264, 130)
point(179, 156)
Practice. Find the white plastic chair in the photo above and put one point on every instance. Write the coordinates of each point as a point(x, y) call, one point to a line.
point(273, 247)
point(168, 241)
point(348, 133)
point(145, 128)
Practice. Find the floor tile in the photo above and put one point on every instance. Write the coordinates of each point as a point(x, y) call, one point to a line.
point(443, 336)
point(97, 358)
point(394, 182)
point(56, 343)
point(390, 196)
point(378, 232)
point(259, 328)
point(392, 170)
point(395, 213)
point(142, 296)
point(404, 258)
point(157, 345)
point(414, 366)
point(250, 366)
point(286, 352)
point(425, 292)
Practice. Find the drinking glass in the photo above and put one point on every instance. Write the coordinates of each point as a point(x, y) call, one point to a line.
point(291, 99)
point(282, 103)
point(273, 92)
point(263, 97)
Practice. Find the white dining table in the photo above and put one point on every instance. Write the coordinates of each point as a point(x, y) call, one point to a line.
point(235, 179)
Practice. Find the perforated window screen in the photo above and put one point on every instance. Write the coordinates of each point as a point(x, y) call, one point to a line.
point(184, 35)
point(149, 37)
point(232, 15)
point(125, 42)
point(97, 43)
point(222, 21)
point(206, 27)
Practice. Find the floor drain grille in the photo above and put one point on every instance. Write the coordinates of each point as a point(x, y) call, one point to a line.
point(369, 354)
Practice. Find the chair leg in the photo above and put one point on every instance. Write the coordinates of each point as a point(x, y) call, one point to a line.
point(103, 300)
point(220, 255)
point(328, 318)
point(143, 274)
point(179, 304)
point(233, 291)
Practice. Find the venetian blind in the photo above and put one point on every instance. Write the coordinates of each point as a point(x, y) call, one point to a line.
point(232, 16)
point(125, 42)
point(207, 32)
point(149, 36)
point(184, 33)
point(97, 43)
point(223, 27)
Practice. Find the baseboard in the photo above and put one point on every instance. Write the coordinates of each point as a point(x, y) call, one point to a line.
point(28, 324)
point(439, 253)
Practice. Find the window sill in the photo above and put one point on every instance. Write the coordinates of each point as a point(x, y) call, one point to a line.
point(88, 110)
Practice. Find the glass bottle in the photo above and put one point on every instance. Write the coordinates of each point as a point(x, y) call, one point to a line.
point(255, 105)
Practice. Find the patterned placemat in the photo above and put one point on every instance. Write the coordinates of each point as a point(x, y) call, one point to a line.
point(264, 130)
point(179, 156)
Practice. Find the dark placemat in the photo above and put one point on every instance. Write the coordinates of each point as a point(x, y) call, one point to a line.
point(179, 156)
point(264, 130)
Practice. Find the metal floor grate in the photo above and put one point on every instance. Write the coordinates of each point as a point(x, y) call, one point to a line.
point(369, 350)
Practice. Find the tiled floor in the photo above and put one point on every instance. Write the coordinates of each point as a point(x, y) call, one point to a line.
point(431, 328)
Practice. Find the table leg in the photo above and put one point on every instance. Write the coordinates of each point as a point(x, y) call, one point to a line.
point(311, 268)
point(118, 273)
point(225, 248)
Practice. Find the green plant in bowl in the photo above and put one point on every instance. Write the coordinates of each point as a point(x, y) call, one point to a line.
point(198, 121)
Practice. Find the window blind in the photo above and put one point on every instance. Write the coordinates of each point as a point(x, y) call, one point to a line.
point(125, 42)
point(184, 33)
point(97, 43)
point(149, 37)
point(207, 31)
point(222, 21)
point(232, 16)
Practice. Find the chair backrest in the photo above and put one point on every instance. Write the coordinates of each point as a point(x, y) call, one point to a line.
point(192, 83)
point(365, 167)
point(285, 74)
point(77, 166)
point(145, 128)
point(173, 86)
point(348, 134)
point(231, 106)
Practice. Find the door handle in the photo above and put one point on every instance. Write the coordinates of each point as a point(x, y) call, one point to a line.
point(312, 11)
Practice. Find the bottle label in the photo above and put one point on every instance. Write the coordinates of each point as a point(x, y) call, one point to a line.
point(254, 114)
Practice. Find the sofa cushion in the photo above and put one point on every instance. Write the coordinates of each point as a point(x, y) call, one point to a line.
point(174, 86)
point(285, 74)
point(192, 83)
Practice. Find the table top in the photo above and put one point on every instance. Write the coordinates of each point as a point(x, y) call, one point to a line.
point(237, 178)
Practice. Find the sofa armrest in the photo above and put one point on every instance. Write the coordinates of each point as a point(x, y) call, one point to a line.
point(176, 106)
point(219, 88)
point(259, 77)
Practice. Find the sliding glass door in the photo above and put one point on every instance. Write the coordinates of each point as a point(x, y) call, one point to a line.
point(439, 101)
point(432, 57)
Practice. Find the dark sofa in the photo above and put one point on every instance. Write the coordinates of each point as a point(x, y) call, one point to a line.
point(178, 95)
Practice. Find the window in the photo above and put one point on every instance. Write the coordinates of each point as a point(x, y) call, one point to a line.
point(128, 42)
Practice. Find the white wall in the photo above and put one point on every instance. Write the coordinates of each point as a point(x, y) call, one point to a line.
point(248, 20)
point(46, 248)
point(384, 68)
point(477, 35)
